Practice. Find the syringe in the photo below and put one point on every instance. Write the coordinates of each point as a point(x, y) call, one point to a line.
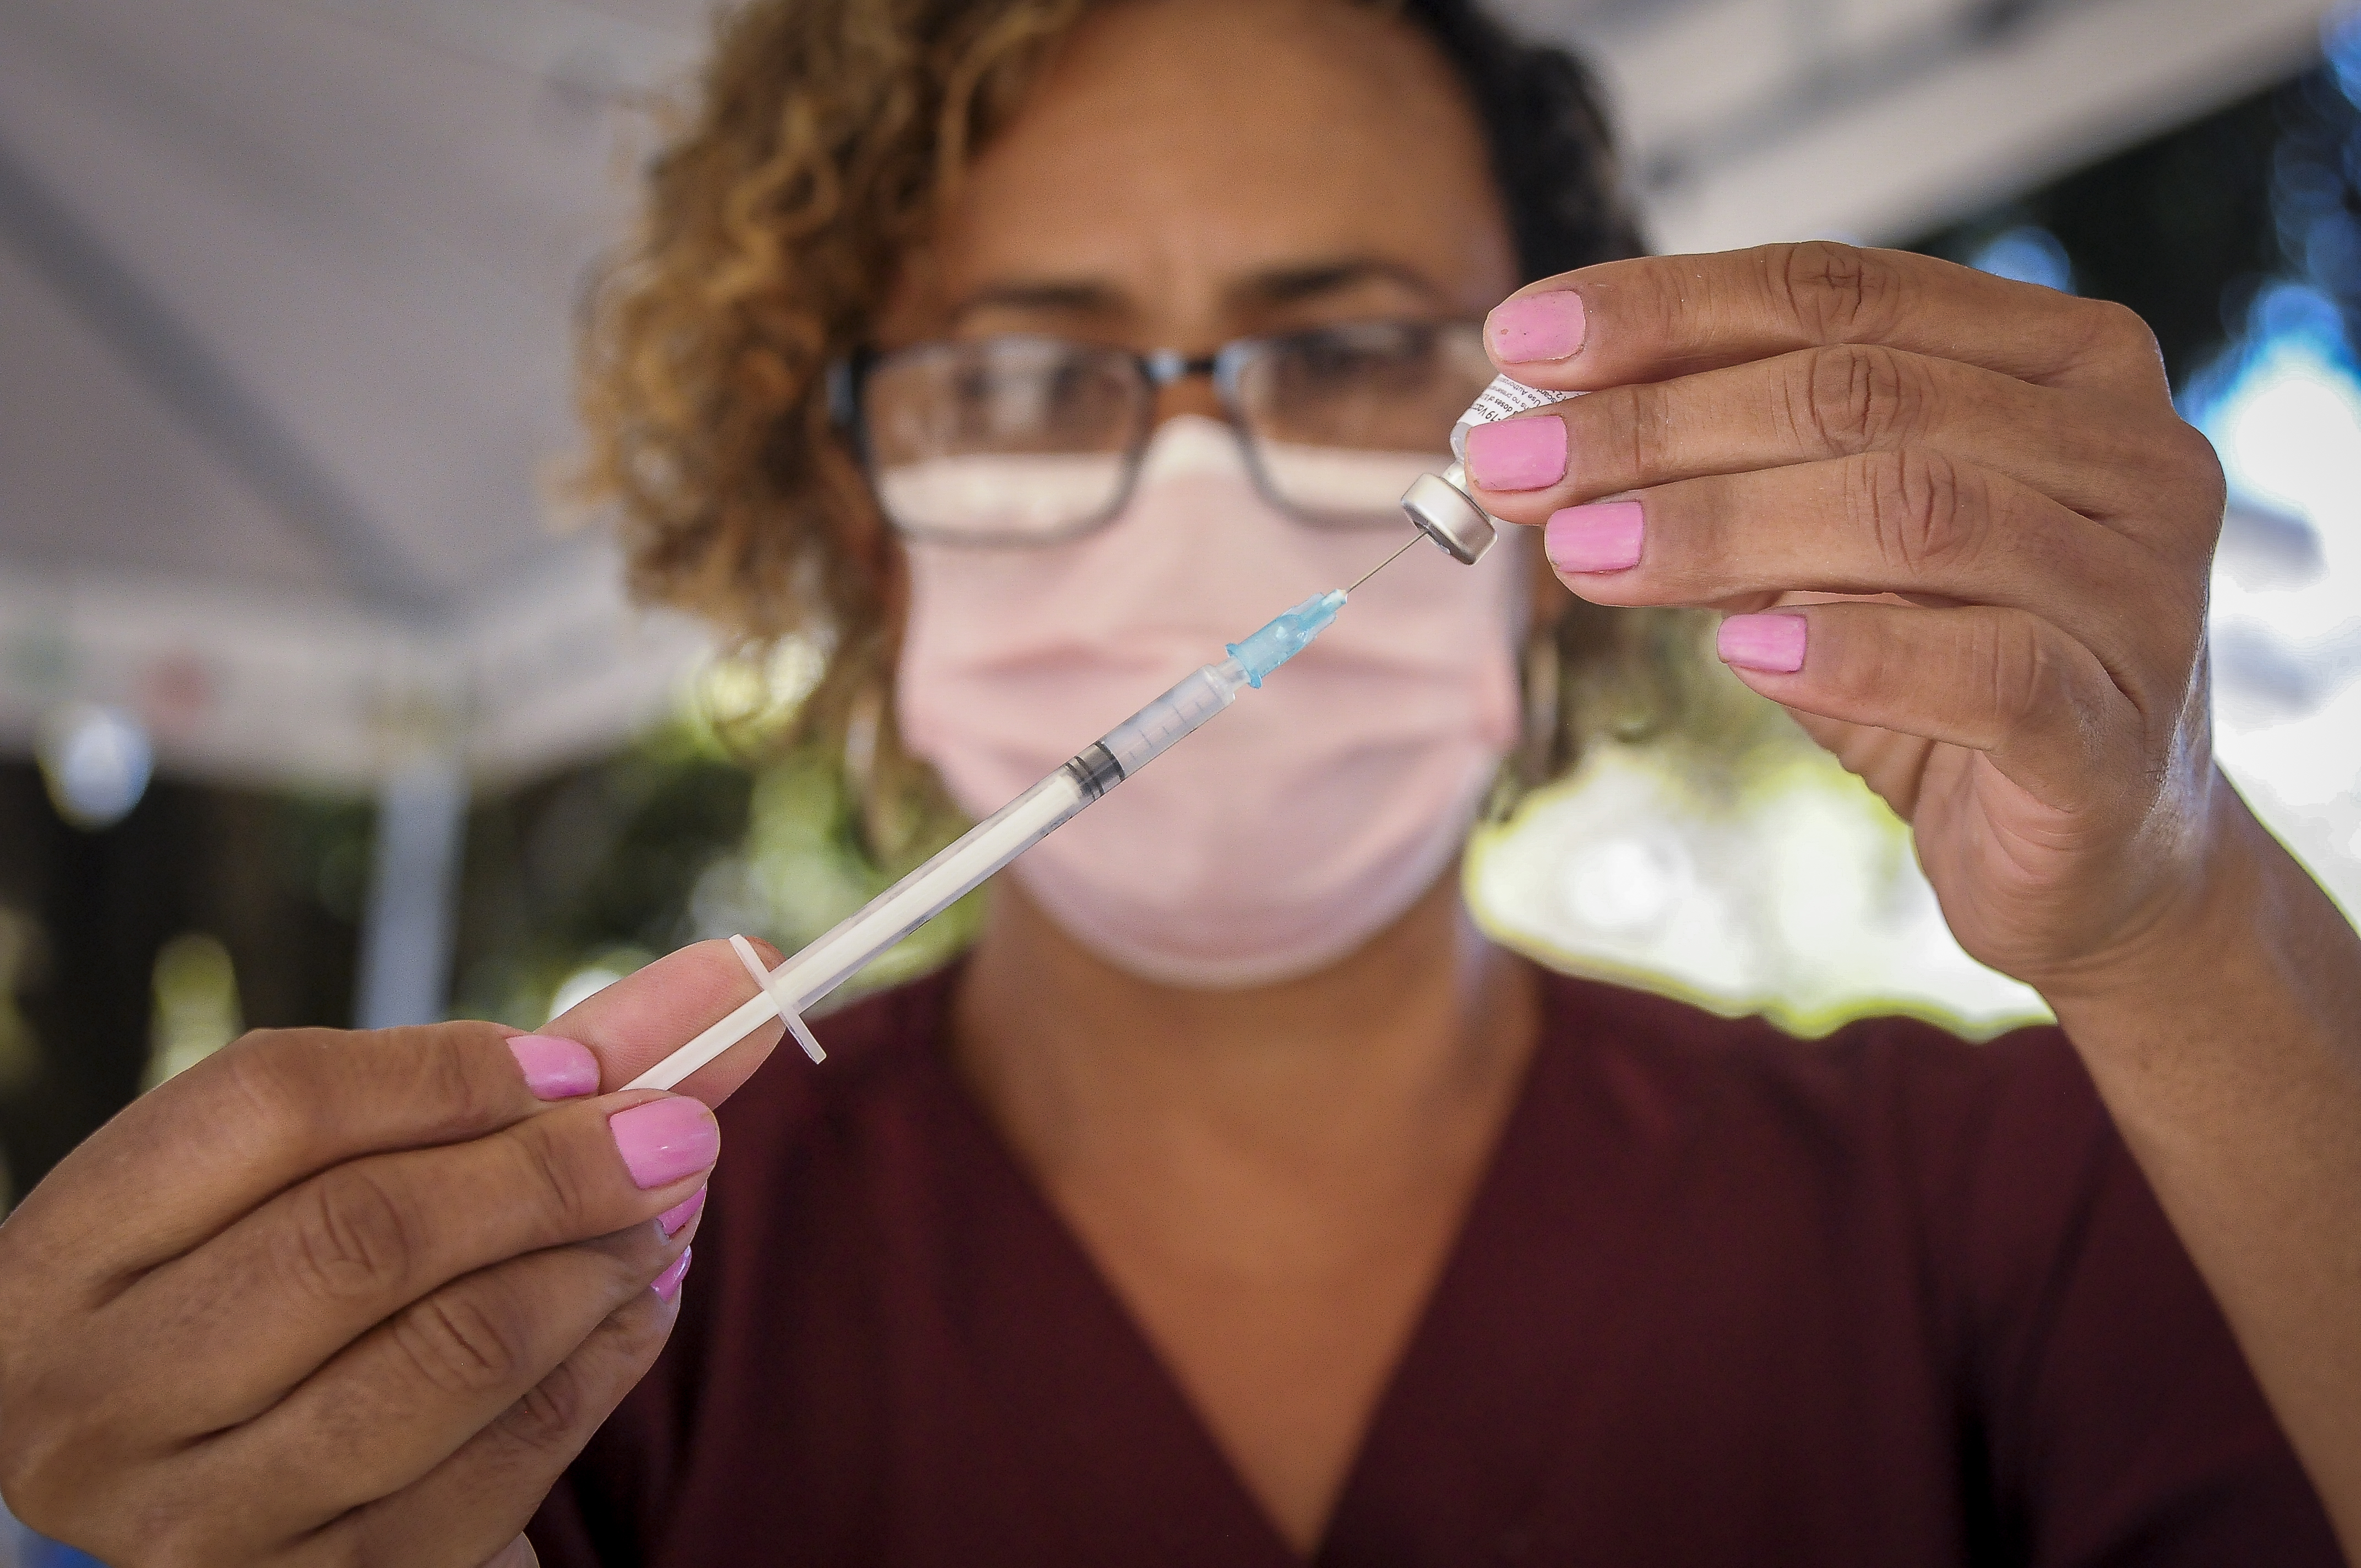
point(799, 982)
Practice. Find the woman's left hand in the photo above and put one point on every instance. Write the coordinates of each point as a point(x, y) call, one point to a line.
point(1962, 534)
point(1966, 541)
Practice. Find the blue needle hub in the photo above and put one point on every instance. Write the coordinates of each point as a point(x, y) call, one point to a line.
point(1286, 636)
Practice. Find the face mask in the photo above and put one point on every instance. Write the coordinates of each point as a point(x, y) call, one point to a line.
point(1296, 825)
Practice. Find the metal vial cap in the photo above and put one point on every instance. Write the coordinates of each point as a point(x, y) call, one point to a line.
point(1438, 503)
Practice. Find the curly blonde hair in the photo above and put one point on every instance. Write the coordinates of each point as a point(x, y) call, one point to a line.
point(826, 137)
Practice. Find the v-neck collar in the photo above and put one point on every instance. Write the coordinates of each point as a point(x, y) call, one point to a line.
point(1124, 1459)
point(1108, 1438)
point(1473, 1428)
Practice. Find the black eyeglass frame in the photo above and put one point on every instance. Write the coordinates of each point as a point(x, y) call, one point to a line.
point(847, 378)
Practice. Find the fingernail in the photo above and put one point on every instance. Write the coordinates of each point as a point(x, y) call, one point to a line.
point(1603, 537)
point(1536, 327)
point(1774, 643)
point(667, 1284)
point(681, 1213)
point(1517, 453)
point(665, 1140)
point(555, 1068)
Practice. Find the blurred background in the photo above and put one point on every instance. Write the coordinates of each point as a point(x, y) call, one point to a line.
point(311, 713)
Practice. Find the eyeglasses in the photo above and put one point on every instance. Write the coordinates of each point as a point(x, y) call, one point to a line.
point(1024, 440)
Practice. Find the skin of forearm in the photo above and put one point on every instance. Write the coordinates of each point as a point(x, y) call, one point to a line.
point(2228, 1051)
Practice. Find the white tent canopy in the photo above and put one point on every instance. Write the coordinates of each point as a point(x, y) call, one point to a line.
point(286, 286)
point(1873, 120)
point(285, 291)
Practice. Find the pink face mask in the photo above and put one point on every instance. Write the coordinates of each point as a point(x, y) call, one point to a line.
point(1294, 827)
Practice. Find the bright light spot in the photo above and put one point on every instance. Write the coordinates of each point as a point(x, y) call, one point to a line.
point(2290, 430)
point(196, 1011)
point(580, 986)
point(1825, 853)
point(96, 760)
point(1797, 897)
point(2285, 413)
point(2028, 255)
point(2341, 40)
point(738, 697)
point(1626, 886)
point(2312, 760)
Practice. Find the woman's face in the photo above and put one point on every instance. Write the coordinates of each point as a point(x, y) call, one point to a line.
point(1191, 172)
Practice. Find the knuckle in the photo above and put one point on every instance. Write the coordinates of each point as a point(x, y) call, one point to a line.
point(553, 1416)
point(1921, 509)
point(267, 1073)
point(558, 1189)
point(2025, 682)
point(550, 1416)
point(1858, 398)
point(450, 1075)
point(2116, 331)
point(464, 1341)
point(1858, 668)
point(303, 1089)
point(354, 1236)
point(1643, 416)
point(310, 1087)
point(2192, 460)
point(1836, 291)
point(1655, 298)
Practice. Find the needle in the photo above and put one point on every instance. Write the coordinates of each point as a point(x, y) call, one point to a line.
point(1386, 563)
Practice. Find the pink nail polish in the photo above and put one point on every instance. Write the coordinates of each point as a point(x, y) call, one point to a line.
point(1536, 327)
point(665, 1140)
point(681, 1213)
point(555, 1068)
point(1771, 643)
point(1603, 537)
point(667, 1284)
point(1517, 453)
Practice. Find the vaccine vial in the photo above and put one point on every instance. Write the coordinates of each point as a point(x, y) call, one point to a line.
point(1439, 503)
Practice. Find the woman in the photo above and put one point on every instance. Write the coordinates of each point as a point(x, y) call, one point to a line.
point(1234, 1200)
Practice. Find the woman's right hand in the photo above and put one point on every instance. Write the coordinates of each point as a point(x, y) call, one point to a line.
point(335, 1296)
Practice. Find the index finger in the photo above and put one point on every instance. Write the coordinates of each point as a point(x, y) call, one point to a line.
point(1655, 317)
point(183, 1163)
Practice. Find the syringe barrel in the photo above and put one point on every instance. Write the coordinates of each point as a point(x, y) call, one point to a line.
point(893, 915)
point(1145, 735)
point(1008, 833)
point(935, 886)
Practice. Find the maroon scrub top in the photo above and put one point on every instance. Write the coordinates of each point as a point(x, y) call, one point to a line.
point(1723, 1297)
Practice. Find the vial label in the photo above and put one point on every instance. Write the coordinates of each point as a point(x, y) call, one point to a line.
point(1502, 400)
point(1505, 397)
